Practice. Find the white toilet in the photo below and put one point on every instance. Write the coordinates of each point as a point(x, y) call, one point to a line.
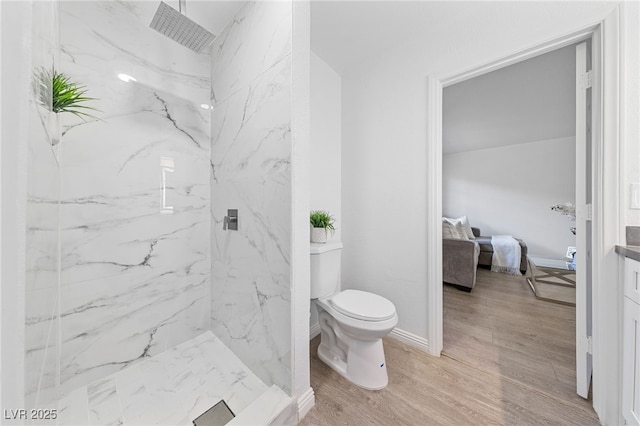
point(352, 322)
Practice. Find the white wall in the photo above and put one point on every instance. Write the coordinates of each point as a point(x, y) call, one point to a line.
point(301, 138)
point(509, 190)
point(385, 128)
point(384, 155)
point(326, 141)
point(629, 111)
point(326, 147)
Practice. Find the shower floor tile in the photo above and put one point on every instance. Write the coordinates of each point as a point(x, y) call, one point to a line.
point(174, 388)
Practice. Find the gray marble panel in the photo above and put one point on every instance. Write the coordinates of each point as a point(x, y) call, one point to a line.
point(134, 212)
point(174, 388)
point(259, 37)
point(250, 165)
point(41, 238)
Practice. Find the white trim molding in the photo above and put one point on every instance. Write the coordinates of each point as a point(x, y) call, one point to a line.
point(15, 35)
point(306, 402)
point(411, 339)
point(607, 289)
point(522, 55)
point(314, 330)
point(434, 215)
point(398, 334)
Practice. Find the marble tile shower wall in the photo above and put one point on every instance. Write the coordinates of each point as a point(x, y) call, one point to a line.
point(135, 267)
point(41, 239)
point(250, 166)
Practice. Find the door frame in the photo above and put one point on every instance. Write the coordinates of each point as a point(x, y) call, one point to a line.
point(606, 204)
point(585, 62)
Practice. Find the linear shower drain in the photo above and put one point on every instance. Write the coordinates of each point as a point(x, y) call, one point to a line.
point(218, 415)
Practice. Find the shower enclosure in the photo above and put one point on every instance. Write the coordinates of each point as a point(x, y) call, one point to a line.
point(139, 307)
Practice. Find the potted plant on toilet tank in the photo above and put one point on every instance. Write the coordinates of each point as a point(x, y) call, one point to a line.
point(321, 223)
point(57, 93)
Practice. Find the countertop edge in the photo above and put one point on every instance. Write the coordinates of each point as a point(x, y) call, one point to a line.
point(631, 252)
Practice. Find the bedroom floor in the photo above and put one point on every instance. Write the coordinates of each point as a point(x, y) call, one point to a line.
point(508, 360)
point(500, 327)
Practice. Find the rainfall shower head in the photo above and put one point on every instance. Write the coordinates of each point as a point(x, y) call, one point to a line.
point(173, 24)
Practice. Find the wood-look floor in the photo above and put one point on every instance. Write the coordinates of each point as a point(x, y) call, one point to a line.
point(508, 360)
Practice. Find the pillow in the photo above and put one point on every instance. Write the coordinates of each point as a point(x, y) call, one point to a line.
point(464, 222)
point(450, 230)
point(461, 231)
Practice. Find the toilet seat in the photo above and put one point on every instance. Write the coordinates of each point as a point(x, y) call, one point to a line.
point(363, 305)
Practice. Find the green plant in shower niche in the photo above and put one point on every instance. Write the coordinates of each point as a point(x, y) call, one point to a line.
point(57, 93)
point(321, 219)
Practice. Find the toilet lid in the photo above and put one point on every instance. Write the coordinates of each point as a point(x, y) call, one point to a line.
point(363, 305)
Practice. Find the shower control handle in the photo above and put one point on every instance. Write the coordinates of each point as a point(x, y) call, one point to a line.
point(230, 221)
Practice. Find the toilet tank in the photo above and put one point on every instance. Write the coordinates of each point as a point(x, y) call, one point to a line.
point(325, 269)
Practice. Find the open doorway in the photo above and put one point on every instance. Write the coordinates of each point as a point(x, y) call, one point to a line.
point(509, 152)
point(606, 210)
point(509, 156)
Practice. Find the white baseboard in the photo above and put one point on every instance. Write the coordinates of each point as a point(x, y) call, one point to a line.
point(404, 336)
point(305, 403)
point(549, 263)
point(314, 330)
point(410, 339)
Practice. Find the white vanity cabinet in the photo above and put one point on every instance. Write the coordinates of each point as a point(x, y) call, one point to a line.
point(632, 280)
point(631, 343)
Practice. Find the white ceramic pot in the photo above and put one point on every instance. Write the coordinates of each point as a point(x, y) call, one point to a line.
point(318, 235)
point(54, 128)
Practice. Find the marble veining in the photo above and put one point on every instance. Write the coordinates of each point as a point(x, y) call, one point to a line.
point(134, 275)
point(250, 171)
point(41, 222)
point(258, 37)
point(129, 265)
point(173, 388)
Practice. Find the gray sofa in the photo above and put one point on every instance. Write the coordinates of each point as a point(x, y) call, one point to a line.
point(486, 251)
point(461, 258)
point(460, 262)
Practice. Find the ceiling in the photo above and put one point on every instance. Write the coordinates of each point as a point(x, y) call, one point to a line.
point(491, 110)
point(530, 101)
point(504, 107)
point(346, 33)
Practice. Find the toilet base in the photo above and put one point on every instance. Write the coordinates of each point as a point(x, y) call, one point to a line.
point(364, 365)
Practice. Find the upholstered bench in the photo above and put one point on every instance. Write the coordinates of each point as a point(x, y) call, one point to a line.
point(486, 251)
